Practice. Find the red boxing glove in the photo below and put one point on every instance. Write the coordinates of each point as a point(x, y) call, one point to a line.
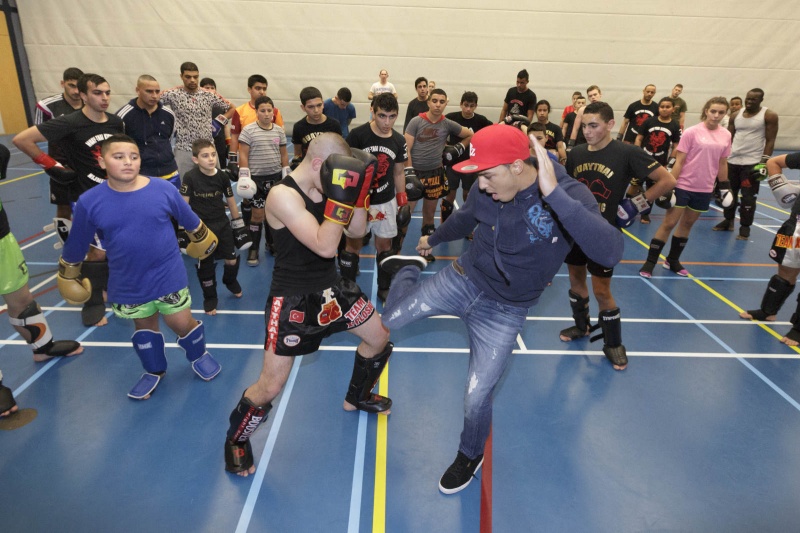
point(402, 199)
point(371, 164)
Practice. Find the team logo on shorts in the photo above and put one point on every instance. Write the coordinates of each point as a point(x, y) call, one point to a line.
point(297, 317)
point(331, 310)
point(291, 340)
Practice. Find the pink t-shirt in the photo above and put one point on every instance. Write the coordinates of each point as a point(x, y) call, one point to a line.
point(703, 148)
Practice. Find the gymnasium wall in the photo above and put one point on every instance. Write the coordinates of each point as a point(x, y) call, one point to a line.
point(712, 48)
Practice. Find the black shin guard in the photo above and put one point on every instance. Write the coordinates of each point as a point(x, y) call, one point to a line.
point(244, 420)
point(7, 401)
point(94, 308)
point(246, 209)
point(230, 274)
point(446, 209)
point(610, 324)
point(365, 375)
point(794, 333)
point(778, 290)
point(580, 312)
point(747, 210)
point(206, 274)
point(427, 230)
point(255, 233)
point(384, 278)
point(676, 247)
point(397, 240)
point(33, 320)
point(348, 265)
point(656, 246)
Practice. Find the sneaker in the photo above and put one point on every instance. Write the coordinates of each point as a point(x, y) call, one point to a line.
point(460, 473)
point(744, 233)
point(252, 258)
point(676, 267)
point(647, 269)
point(394, 263)
point(725, 225)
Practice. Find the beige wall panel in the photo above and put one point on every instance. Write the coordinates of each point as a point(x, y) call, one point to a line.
point(712, 48)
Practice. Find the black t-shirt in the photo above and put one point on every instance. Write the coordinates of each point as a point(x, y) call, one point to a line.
point(51, 108)
point(206, 194)
point(474, 124)
point(5, 228)
point(608, 172)
point(569, 120)
point(637, 113)
point(388, 150)
point(81, 137)
point(554, 136)
point(303, 132)
point(657, 136)
point(519, 103)
point(415, 107)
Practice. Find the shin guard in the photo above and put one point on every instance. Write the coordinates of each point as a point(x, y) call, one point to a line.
point(150, 348)
point(580, 312)
point(656, 246)
point(244, 420)
point(384, 278)
point(365, 375)
point(207, 275)
point(255, 233)
point(246, 209)
point(33, 320)
point(230, 274)
point(194, 344)
point(94, 308)
point(794, 333)
point(676, 247)
point(778, 290)
point(348, 265)
point(610, 324)
point(446, 209)
point(747, 210)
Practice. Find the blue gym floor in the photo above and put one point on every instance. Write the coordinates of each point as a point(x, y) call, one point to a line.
point(701, 433)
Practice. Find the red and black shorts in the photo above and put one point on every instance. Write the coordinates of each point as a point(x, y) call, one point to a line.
point(297, 325)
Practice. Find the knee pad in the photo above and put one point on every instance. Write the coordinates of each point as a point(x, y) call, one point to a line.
point(348, 265)
point(150, 348)
point(747, 210)
point(366, 373)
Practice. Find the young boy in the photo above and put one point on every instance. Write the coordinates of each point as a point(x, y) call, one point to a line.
point(555, 137)
point(468, 118)
point(316, 123)
point(132, 214)
point(263, 162)
point(569, 120)
point(203, 188)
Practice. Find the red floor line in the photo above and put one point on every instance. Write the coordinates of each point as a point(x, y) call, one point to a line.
point(26, 239)
point(486, 487)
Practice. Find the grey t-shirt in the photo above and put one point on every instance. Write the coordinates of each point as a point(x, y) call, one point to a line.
point(429, 140)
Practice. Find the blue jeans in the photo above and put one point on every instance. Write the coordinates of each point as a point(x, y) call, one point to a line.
point(493, 328)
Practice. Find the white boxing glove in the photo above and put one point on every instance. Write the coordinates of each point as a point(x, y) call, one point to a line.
point(785, 192)
point(245, 187)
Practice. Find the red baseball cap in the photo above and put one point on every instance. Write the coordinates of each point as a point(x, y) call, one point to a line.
point(493, 146)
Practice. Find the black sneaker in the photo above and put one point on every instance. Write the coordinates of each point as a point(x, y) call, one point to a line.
point(744, 233)
point(394, 263)
point(460, 473)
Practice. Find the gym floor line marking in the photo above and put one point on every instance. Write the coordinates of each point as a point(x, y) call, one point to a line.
point(8, 182)
point(450, 351)
point(738, 357)
point(719, 296)
point(266, 453)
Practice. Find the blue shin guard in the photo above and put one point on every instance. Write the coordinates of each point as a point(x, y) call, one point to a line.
point(149, 346)
point(194, 344)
